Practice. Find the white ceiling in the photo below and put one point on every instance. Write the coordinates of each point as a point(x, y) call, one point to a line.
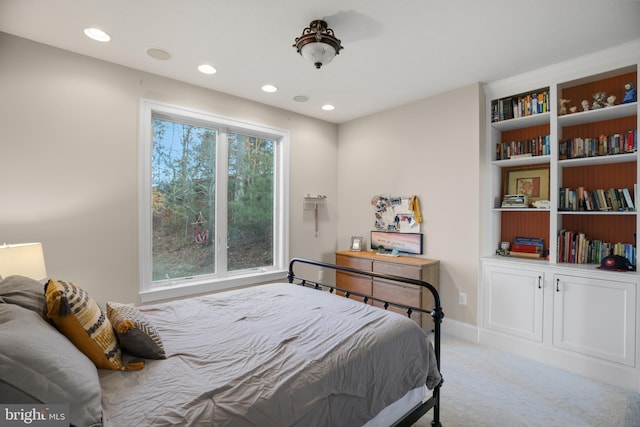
point(394, 52)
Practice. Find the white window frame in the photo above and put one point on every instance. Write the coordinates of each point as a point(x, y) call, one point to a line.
point(175, 288)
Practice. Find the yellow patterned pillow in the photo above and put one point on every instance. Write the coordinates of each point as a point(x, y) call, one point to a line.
point(81, 320)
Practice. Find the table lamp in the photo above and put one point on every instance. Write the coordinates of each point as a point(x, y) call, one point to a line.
point(24, 259)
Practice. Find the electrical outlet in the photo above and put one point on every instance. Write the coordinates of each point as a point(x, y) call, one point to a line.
point(462, 298)
point(320, 275)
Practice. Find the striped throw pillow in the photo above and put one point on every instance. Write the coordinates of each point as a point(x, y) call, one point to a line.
point(136, 334)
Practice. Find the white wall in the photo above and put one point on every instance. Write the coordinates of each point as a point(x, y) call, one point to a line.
point(69, 166)
point(429, 148)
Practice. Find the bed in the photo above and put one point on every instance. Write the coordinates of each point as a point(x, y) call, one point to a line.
point(280, 354)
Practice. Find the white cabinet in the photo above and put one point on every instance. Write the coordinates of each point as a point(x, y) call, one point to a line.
point(595, 317)
point(514, 301)
point(583, 312)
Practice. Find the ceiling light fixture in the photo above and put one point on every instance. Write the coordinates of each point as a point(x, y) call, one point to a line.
point(269, 88)
point(97, 34)
point(328, 107)
point(207, 69)
point(318, 43)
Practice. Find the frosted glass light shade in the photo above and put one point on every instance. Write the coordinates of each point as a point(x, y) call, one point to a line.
point(24, 259)
point(318, 53)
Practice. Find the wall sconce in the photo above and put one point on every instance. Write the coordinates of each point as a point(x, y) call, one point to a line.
point(24, 259)
point(318, 43)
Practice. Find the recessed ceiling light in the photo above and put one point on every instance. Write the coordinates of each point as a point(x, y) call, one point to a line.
point(328, 107)
point(207, 69)
point(269, 88)
point(159, 54)
point(97, 34)
point(301, 98)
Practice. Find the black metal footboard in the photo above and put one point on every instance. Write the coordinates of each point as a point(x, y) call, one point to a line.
point(436, 313)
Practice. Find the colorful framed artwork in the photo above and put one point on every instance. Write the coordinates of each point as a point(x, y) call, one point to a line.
point(531, 181)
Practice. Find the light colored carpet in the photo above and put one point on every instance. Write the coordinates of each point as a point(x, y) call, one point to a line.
point(486, 387)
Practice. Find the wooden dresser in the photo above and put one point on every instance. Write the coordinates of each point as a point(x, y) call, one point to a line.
point(412, 267)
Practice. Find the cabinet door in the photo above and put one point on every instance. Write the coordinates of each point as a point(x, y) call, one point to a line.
point(595, 317)
point(513, 301)
point(354, 282)
point(401, 294)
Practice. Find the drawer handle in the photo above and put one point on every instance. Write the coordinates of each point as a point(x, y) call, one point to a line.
point(539, 282)
point(557, 285)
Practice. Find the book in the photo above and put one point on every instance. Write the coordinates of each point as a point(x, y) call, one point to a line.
point(525, 254)
point(627, 198)
point(525, 248)
point(602, 200)
point(515, 201)
point(534, 241)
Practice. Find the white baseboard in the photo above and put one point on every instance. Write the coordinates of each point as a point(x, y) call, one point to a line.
point(461, 330)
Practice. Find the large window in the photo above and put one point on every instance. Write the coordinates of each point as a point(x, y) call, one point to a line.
point(213, 205)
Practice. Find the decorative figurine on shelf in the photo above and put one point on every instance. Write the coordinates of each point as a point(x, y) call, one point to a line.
point(573, 109)
point(503, 249)
point(585, 105)
point(630, 93)
point(563, 106)
point(598, 100)
point(610, 101)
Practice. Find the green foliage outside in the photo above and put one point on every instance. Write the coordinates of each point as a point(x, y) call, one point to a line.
point(184, 194)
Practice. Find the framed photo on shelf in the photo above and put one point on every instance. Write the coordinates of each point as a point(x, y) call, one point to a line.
point(532, 181)
point(356, 243)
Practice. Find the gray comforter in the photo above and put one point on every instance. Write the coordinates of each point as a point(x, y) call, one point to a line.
point(274, 355)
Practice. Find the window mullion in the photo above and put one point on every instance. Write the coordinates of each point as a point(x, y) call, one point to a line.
point(221, 223)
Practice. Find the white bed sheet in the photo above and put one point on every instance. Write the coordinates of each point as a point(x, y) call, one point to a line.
point(398, 409)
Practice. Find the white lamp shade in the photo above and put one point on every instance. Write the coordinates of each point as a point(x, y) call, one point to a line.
point(25, 259)
point(318, 52)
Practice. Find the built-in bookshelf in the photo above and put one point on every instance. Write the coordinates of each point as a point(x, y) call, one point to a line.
point(591, 155)
point(544, 305)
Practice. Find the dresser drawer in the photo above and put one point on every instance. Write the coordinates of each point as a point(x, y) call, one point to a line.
point(401, 294)
point(409, 271)
point(353, 262)
point(353, 283)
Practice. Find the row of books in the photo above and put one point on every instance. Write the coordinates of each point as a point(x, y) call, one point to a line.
point(580, 199)
point(527, 247)
point(574, 247)
point(604, 145)
point(522, 105)
point(538, 146)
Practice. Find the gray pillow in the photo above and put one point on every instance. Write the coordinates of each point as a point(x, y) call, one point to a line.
point(40, 365)
point(136, 334)
point(25, 292)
